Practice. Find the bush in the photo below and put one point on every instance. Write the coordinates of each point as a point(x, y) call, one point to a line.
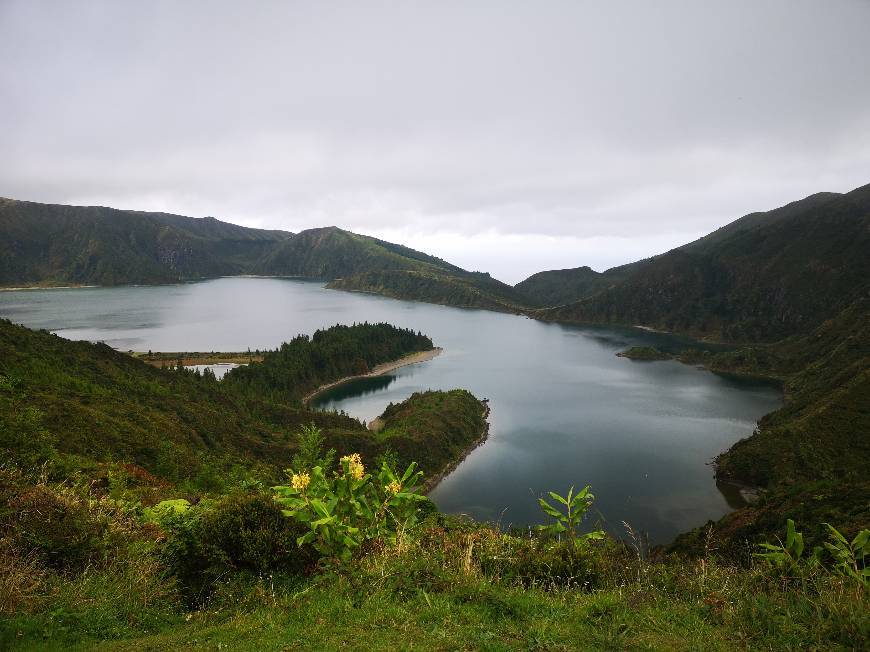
point(64, 528)
point(242, 532)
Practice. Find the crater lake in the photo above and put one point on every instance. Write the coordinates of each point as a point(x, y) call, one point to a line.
point(565, 410)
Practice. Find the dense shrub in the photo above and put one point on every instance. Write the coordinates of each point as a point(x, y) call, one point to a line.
point(64, 528)
point(242, 532)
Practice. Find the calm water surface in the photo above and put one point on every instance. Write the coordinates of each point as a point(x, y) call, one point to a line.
point(565, 409)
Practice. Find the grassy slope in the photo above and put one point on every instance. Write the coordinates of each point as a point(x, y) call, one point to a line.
point(457, 586)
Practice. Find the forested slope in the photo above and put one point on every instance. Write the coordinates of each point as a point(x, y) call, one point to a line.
point(49, 244)
point(761, 278)
point(305, 363)
point(81, 405)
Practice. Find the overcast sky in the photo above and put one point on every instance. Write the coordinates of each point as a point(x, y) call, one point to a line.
point(505, 137)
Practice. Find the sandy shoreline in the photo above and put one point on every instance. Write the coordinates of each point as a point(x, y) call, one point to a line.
point(380, 370)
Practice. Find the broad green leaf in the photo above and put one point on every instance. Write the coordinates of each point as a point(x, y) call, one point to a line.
point(549, 509)
point(799, 544)
point(789, 537)
point(861, 539)
point(835, 533)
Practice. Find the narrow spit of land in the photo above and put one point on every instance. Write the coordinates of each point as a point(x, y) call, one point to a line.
point(379, 370)
point(191, 358)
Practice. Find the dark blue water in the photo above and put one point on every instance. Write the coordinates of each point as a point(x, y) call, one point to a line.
point(565, 409)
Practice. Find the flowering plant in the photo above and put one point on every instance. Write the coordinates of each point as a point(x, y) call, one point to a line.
point(350, 506)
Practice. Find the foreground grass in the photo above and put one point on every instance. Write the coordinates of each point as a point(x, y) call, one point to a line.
point(457, 589)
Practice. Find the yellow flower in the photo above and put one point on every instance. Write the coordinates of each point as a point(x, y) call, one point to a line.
point(355, 467)
point(394, 487)
point(300, 481)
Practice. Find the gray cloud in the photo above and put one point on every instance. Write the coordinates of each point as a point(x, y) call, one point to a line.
point(556, 134)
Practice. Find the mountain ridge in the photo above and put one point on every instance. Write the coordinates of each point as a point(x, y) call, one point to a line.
point(761, 278)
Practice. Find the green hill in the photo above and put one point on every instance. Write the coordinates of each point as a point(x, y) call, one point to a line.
point(303, 364)
point(83, 406)
point(761, 278)
point(329, 253)
point(48, 244)
point(810, 456)
point(560, 286)
point(466, 290)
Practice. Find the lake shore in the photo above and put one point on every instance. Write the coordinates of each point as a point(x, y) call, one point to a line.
point(164, 359)
point(379, 370)
point(46, 287)
point(430, 483)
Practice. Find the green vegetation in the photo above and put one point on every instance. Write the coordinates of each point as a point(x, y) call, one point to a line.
point(347, 508)
point(48, 244)
point(569, 522)
point(330, 253)
point(236, 573)
point(644, 353)
point(464, 291)
point(436, 428)
point(761, 278)
point(303, 364)
point(811, 455)
point(87, 409)
point(560, 286)
point(108, 541)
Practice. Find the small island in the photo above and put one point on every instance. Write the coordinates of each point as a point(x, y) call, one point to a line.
point(648, 353)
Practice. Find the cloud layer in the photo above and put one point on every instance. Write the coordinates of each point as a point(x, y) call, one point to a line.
point(506, 137)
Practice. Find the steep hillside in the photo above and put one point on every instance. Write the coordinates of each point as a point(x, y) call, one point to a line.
point(362, 264)
point(560, 286)
point(104, 547)
point(48, 244)
point(811, 456)
point(761, 278)
point(329, 253)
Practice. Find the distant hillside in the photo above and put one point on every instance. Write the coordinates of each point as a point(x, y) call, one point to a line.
point(761, 278)
point(560, 286)
point(48, 244)
point(329, 253)
point(363, 264)
point(465, 290)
